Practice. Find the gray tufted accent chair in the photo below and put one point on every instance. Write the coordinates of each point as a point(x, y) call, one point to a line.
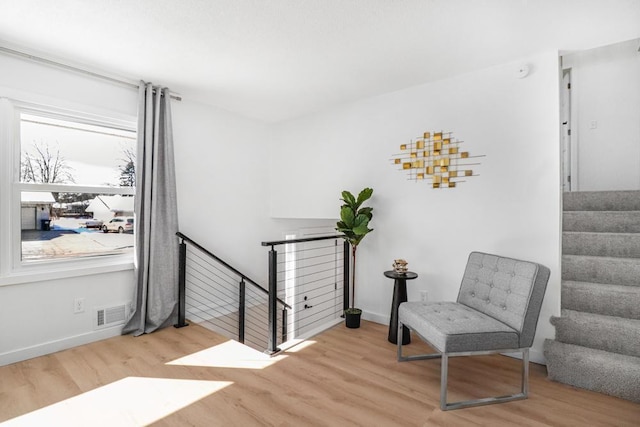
point(496, 312)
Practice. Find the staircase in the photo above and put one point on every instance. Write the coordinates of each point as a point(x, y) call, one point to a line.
point(597, 345)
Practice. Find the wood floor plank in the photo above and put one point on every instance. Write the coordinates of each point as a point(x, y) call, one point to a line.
point(340, 377)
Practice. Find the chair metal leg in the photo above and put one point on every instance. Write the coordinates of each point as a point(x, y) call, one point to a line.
point(525, 372)
point(524, 389)
point(444, 375)
point(399, 342)
point(444, 372)
point(402, 358)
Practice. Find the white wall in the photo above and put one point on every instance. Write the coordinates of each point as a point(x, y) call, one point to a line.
point(605, 97)
point(38, 318)
point(37, 311)
point(223, 182)
point(222, 168)
point(222, 173)
point(512, 208)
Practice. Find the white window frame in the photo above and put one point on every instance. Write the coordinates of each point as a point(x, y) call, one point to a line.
point(12, 269)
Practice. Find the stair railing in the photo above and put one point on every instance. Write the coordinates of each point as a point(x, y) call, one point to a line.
point(218, 299)
point(313, 278)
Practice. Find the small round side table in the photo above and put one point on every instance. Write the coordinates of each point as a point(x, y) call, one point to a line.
point(399, 296)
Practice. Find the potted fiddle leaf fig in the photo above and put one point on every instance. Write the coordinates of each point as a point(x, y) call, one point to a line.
point(354, 224)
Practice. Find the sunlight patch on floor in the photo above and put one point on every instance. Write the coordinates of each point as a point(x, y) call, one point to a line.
point(132, 401)
point(230, 354)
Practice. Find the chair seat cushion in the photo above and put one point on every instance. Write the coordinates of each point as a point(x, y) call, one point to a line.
point(453, 327)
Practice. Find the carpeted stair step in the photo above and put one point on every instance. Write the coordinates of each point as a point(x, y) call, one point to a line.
point(597, 345)
point(595, 269)
point(601, 201)
point(601, 371)
point(610, 300)
point(608, 333)
point(621, 245)
point(602, 221)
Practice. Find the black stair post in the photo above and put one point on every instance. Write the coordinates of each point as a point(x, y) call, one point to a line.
point(345, 279)
point(241, 309)
point(284, 324)
point(182, 272)
point(273, 300)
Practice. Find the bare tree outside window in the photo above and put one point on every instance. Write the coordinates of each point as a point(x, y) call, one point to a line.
point(128, 168)
point(46, 166)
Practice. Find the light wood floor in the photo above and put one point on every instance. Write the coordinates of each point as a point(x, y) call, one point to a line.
point(344, 378)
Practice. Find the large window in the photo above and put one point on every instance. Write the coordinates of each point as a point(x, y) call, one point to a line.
point(72, 185)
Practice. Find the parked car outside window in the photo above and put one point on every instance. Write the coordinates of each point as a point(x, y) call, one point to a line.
point(93, 223)
point(120, 224)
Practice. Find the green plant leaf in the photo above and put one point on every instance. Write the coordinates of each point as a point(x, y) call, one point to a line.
point(362, 229)
point(360, 223)
point(345, 230)
point(354, 221)
point(352, 237)
point(366, 211)
point(347, 216)
point(348, 198)
point(364, 195)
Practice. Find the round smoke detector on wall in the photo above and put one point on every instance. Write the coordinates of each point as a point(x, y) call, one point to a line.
point(523, 71)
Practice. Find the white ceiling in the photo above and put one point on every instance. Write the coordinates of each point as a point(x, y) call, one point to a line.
point(277, 59)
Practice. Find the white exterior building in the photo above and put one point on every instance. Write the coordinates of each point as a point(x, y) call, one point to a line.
point(104, 208)
point(33, 206)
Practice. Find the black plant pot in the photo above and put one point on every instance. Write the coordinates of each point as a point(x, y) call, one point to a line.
point(352, 318)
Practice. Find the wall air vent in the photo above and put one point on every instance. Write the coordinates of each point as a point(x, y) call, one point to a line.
point(111, 316)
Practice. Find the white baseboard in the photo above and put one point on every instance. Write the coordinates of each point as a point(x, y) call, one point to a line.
point(535, 356)
point(375, 317)
point(58, 345)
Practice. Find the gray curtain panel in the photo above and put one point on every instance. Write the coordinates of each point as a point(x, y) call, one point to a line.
point(156, 216)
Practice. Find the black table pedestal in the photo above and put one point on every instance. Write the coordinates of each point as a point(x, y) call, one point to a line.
point(399, 296)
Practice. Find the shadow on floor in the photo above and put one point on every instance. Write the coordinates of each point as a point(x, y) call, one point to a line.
point(39, 235)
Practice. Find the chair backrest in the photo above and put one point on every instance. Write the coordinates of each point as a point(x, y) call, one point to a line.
point(506, 289)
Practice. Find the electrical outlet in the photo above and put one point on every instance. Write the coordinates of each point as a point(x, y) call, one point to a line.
point(78, 305)
point(424, 296)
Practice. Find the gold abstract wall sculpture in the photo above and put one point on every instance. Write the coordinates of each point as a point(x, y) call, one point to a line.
point(436, 156)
